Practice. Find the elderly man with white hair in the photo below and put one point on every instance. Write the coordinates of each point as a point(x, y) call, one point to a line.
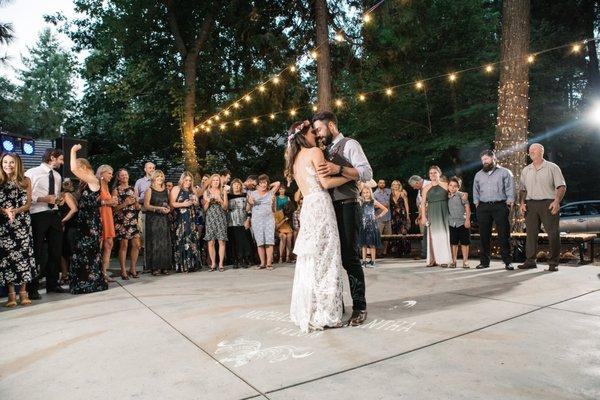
point(541, 190)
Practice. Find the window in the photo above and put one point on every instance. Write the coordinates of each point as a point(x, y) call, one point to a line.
point(571, 211)
point(592, 209)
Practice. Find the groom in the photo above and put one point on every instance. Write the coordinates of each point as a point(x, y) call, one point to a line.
point(346, 158)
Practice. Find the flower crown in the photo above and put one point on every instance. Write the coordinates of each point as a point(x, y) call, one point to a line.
point(298, 129)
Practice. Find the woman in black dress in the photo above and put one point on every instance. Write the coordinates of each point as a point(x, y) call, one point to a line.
point(16, 240)
point(158, 234)
point(68, 212)
point(400, 217)
point(239, 224)
point(85, 274)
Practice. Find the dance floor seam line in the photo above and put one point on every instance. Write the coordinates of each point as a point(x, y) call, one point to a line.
point(186, 337)
point(538, 308)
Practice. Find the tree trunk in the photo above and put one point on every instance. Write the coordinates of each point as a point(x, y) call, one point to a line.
point(323, 56)
point(513, 91)
point(188, 142)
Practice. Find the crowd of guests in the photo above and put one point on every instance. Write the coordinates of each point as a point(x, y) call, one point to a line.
point(50, 228)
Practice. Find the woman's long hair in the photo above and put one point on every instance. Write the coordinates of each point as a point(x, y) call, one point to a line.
point(19, 176)
point(296, 141)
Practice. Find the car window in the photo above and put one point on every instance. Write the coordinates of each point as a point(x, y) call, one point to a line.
point(570, 211)
point(592, 209)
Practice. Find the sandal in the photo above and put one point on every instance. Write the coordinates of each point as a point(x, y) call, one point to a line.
point(269, 267)
point(260, 267)
point(155, 273)
point(221, 268)
point(24, 299)
point(12, 300)
point(466, 266)
point(452, 265)
point(212, 268)
point(164, 272)
point(134, 275)
point(431, 265)
point(108, 279)
point(64, 281)
point(125, 277)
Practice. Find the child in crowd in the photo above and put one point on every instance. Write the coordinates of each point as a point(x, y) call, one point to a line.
point(369, 238)
point(283, 224)
point(459, 221)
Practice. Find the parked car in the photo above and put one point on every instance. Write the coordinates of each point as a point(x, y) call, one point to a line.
point(579, 217)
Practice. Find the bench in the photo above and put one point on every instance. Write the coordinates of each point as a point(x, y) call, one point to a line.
point(578, 239)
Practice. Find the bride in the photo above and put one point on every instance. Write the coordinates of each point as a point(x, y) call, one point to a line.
point(317, 292)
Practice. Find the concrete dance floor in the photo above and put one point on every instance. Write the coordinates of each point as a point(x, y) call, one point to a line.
point(432, 333)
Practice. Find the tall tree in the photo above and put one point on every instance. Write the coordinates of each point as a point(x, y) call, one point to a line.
point(46, 96)
point(513, 90)
point(321, 15)
point(6, 32)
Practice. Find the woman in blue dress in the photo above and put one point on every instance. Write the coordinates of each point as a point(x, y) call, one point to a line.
point(186, 252)
point(369, 238)
point(261, 201)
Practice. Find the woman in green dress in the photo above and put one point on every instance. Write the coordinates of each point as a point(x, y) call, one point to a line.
point(434, 210)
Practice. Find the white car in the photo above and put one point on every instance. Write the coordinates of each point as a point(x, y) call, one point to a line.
point(580, 217)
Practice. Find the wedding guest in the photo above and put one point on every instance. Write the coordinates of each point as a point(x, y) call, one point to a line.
point(296, 218)
point(434, 212)
point(369, 238)
point(45, 221)
point(225, 176)
point(126, 223)
point(140, 187)
point(282, 199)
point(68, 212)
point(459, 220)
point(261, 201)
point(494, 196)
point(250, 183)
point(283, 227)
point(85, 273)
point(105, 173)
point(384, 224)
point(16, 243)
point(400, 217)
point(186, 254)
point(158, 233)
point(215, 209)
point(239, 224)
point(541, 191)
point(418, 183)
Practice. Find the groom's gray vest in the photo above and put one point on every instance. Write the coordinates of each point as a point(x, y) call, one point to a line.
point(348, 190)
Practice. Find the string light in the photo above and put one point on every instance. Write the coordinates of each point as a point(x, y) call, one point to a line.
point(339, 37)
point(248, 98)
point(362, 97)
point(389, 91)
point(276, 80)
point(255, 120)
point(452, 77)
point(262, 88)
point(222, 126)
point(314, 54)
point(236, 105)
point(226, 112)
point(489, 68)
point(237, 123)
point(419, 85)
point(367, 18)
point(209, 122)
point(339, 103)
point(293, 112)
point(217, 117)
point(576, 48)
point(530, 59)
point(293, 68)
point(272, 116)
point(315, 108)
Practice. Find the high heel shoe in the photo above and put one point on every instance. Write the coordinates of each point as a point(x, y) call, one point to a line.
point(12, 300)
point(133, 275)
point(124, 276)
point(24, 299)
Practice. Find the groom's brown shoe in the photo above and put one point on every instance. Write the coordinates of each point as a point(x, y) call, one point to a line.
point(357, 318)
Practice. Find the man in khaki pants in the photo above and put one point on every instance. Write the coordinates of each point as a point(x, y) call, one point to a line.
point(541, 191)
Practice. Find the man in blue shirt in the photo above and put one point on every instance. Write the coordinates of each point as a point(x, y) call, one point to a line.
point(382, 195)
point(494, 196)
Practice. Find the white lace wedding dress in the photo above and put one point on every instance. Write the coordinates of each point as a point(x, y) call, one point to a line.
point(317, 292)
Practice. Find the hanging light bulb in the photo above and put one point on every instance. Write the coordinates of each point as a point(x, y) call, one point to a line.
point(222, 126)
point(261, 88)
point(247, 98)
point(367, 18)
point(339, 37)
point(236, 105)
point(339, 103)
point(272, 116)
point(255, 120)
point(217, 117)
point(315, 108)
point(489, 68)
point(576, 48)
point(362, 97)
point(389, 91)
point(314, 54)
point(293, 112)
point(293, 68)
point(452, 77)
point(237, 123)
point(226, 112)
point(419, 85)
point(276, 80)
point(530, 59)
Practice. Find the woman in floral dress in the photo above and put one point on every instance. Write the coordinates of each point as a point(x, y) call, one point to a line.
point(126, 225)
point(186, 254)
point(16, 240)
point(86, 275)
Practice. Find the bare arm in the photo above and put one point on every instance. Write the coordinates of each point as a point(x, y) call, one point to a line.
point(27, 205)
point(147, 205)
point(327, 181)
point(423, 206)
point(83, 174)
point(225, 203)
point(383, 209)
point(173, 199)
point(206, 201)
point(274, 187)
point(72, 204)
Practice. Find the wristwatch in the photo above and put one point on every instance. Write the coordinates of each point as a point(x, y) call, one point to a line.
point(341, 170)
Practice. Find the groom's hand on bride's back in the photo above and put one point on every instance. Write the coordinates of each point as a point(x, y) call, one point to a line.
point(328, 169)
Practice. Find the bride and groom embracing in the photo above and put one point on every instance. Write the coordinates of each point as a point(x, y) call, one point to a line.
point(329, 222)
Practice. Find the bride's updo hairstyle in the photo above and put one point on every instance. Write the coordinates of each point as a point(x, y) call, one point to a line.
point(295, 142)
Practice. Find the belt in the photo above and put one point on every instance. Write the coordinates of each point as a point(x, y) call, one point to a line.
point(346, 201)
point(492, 202)
point(540, 200)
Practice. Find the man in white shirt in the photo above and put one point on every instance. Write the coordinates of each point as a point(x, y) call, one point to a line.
point(46, 186)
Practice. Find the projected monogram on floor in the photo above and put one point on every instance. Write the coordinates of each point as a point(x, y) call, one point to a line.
point(242, 351)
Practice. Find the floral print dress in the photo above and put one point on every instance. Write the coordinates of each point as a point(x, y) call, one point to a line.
point(126, 219)
point(186, 254)
point(16, 239)
point(85, 274)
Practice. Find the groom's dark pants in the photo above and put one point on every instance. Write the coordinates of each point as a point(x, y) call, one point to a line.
point(347, 213)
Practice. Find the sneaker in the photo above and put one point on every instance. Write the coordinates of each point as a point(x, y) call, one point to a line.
point(370, 264)
point(363, 264)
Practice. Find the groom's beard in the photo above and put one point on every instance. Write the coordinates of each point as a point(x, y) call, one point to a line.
point(327, 139)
